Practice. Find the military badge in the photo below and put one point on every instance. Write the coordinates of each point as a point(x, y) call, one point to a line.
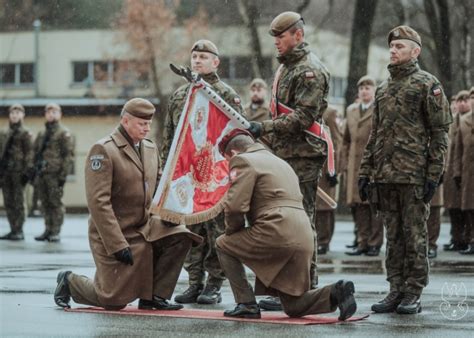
point(96, 162)
point(309, 75)
point(436, 90)
point(233, 175)
point(236, 100)
point(396, 33)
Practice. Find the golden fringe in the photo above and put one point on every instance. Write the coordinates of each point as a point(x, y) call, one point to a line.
point(199, 217)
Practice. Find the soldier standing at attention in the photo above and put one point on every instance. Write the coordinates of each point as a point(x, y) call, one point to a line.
point(356, 134)
point(299, 99)
point(54, 155)
point(16, 160)
point(257, 109)
point(404, 158)
point(464, 167)
point(202, 258)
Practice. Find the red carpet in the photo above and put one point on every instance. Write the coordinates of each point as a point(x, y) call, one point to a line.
point(267, 317)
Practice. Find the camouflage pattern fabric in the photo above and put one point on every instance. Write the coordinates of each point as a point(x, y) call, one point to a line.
point(405, 215)
point(203, 257)
point(303, 86)
point(409, 137)
point(17, 159)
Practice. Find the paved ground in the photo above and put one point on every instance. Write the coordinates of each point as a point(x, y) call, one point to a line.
point(28, 272)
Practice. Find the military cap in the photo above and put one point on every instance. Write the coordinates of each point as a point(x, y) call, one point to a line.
point(366, 80)
point(16, 106)
point(404, 33)
point(52, 106)
point(283, 22)
point(205, 46)
point(229, 136)
point(257, 82)
point(462, 95)
point(140, 108)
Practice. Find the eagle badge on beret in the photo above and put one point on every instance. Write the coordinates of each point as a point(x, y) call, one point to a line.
point(396, 33)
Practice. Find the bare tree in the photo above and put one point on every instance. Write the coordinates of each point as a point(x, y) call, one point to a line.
point(360, 42)
point(466, 43)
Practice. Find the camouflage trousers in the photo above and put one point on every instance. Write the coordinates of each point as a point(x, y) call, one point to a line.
point(434, 227)
point(203, 257)
point(405, 215)
point(13, 198)
point(50, 193)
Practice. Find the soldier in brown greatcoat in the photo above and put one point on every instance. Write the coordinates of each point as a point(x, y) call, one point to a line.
point(355, 137)
point(135, 257)
point(325, 219)
point(452, 197)
point(257, 109)
point(464, 168)
point(278, 244)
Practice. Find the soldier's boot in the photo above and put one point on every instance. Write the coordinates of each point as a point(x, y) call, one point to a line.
point(190, 295)
point(469, 250)
point(62, 294)
point(54, 238)
point(157, 303)
point(44, 236)
point(389, 303)
point(13, 236)
point(342, 295)
point(244, 310)
point(270, 304)
point(410, 304)
point(210, 295)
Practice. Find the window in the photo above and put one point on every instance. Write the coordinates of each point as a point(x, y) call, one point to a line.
point(240, 68)
point(337, 87)
point(16, 74)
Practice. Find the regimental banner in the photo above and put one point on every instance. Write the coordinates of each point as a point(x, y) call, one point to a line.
point(195, 179)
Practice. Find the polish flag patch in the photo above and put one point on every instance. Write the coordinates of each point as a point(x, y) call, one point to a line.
point(309, 75)
point(436, 91)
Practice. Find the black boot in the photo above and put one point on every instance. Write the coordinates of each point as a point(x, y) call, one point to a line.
point(432, 253)
point(389, 303)
point(62, 294)
point(356, 252)
point(271, 304)
point(323, 249)
point(210, 295)
point(190, 295)
point(244, 311)
point(44, 236)
point(342, 295)
point(410, 304)
point(373, 251)
point(13, 236)
point(53, 238)
point(157, 303)
point(469, 250)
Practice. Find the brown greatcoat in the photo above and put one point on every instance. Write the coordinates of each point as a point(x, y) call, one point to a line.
point(354, 139)
point(451, 195)
point(329, 118)
point(120, 185)
point(278, 244)
point(464, 160)
point(257, 113)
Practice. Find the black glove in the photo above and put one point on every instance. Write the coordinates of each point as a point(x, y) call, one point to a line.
point(124, 256)
point(169, 224)
point(332, 180)
point(363, 186)
point(255, 129)
point(457, 181)
point(429, 190)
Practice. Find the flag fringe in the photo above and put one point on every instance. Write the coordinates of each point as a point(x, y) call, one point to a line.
point(196, 218)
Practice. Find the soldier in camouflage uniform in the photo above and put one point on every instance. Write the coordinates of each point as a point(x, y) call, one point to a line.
point(404, 157)
point(202, 258)
point(302, 85)
point(16, 160)
point(54, 154)
point(257, 109)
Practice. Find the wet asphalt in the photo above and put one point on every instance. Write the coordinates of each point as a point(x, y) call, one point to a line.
point(28, 271)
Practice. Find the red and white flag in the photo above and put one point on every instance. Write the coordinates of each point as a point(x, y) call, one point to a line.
point(196, 176)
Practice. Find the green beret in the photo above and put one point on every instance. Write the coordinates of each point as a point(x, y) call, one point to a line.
point(462, 95)
point(205, 46)
point(52, 106)
point(366, 80)
point(283, 22)
point(16, 106)
point(404, 33)
point(257, 82)
point(140, 108)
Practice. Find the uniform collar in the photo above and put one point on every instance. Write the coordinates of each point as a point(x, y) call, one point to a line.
point(399, 71)
point(16, 126)
point(294, 55)
point(211, 78)
point(52, 125)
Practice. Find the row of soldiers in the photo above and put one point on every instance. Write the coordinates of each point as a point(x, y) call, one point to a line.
point(44, 162)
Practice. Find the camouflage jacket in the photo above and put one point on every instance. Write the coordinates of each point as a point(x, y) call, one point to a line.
point(58, 154)
point(176, 105)
point(303, 86)
point(258, 112)
point(410, 123)
point(17, 152)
